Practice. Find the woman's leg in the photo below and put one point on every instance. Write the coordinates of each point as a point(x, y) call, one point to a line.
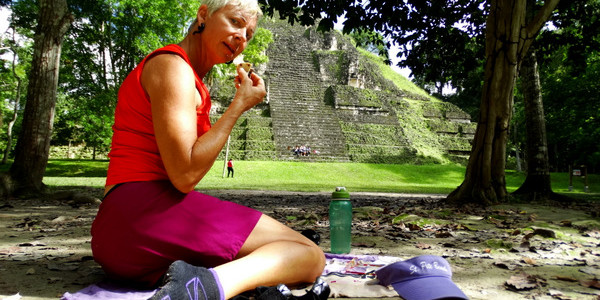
point(272, 254)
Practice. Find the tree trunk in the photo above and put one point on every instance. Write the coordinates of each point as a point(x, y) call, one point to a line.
point(11, 125)
point(33, 145)
point(508, 38)
point(537, 184)
point(538, 170)
point(15, 113)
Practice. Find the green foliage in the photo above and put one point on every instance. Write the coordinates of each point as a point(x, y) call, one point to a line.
point(85, 121)
point(371, 41)
point(107, 39)
point(79, 152)
point(24, 14)
point(255, 52)
point(468, 95)
point(569, 75)
point(401, 82)
point(136, 27)
point(573, 112)
point(15, 63)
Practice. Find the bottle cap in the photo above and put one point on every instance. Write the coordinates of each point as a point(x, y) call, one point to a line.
point(340, 194)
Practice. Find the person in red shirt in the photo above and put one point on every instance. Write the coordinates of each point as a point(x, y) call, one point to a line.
point(230, 168)
point(152, 229)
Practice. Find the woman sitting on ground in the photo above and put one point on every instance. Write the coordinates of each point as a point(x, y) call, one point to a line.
point(151, 223)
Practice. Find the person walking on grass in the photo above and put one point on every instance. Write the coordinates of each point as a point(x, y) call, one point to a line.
point(152, 229)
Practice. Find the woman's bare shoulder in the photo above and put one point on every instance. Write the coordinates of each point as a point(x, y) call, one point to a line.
point(167, 68)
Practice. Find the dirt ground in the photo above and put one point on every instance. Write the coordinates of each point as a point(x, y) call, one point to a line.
point(512, 251)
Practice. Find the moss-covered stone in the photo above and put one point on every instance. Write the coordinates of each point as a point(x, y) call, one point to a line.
point(259, 133)
point(499, 244)
point(343, 95)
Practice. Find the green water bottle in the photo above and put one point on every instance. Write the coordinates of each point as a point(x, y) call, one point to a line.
point(340, 221)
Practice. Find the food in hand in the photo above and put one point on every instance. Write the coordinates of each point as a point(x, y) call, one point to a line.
point(246, 66)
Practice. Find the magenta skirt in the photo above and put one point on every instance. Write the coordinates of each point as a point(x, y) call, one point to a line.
point(142, 227)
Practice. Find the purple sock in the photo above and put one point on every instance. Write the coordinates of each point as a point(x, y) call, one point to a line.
point(218, 283)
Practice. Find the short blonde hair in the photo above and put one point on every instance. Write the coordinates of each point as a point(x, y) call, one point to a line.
point(250, 6)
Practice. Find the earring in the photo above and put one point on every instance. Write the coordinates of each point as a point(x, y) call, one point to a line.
point(200, 28)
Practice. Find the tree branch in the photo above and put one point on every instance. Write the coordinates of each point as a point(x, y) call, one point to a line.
point(541, 17)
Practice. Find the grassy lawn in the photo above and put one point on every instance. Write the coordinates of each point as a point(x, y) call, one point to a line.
point(304, 176)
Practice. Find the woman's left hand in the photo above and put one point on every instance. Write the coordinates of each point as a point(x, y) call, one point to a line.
point(250, 89)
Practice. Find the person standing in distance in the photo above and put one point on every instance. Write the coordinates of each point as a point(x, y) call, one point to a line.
point(229, 168)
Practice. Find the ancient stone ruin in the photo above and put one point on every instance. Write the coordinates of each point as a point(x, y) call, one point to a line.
point(345, 104)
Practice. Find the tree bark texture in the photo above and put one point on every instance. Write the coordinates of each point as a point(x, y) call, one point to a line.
point(508, 38)
point(33, 145)
point(537, 183)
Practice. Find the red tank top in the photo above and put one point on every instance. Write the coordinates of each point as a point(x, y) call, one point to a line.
point(134, 153)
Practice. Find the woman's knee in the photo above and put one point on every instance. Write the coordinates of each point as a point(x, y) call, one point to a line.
point(318, 261)
point(308, 265)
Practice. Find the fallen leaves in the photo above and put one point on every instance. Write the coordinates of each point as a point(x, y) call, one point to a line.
point(525, 281)
point(593, 283)
point(593, 234)
point(547, 233)
point(566, 278)
point(558, 295)
point(530, 261)
point(506, 265)
point(500, 223)
point(423, 246)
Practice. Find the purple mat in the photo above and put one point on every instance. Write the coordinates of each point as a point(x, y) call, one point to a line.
point(336, 264)
point(104, 290)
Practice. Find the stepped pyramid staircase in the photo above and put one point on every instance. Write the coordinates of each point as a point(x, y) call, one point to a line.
point(307, 119)
point(324, 93)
